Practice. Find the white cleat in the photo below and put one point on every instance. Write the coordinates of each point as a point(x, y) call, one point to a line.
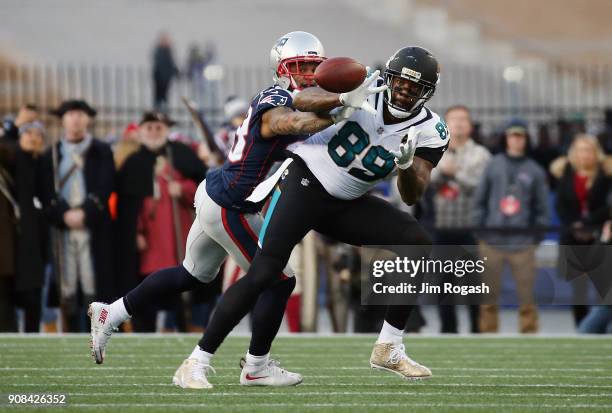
point(192, 374)
point(270, 375)
point(101, 329)
point(393, 358)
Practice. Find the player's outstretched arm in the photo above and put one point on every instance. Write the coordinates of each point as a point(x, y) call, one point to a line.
point(319, 100)
point(315, 99)
point(284, 121)
point(413, 181)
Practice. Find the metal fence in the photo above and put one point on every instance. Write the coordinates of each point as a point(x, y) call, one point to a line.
point(541, 94)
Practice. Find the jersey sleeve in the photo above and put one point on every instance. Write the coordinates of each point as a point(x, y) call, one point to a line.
point(433, 141)
point(271, 98)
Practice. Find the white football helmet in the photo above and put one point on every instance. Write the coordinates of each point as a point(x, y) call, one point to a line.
point(294, 47)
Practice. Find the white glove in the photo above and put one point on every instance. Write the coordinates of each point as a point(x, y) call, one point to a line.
point(405, 155)
point(342, 113)
point(358, 98)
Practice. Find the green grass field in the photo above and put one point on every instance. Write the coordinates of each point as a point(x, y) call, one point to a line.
point(470, 374)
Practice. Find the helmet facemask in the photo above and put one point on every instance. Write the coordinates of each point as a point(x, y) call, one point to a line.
point(291, 67)
point(414, 91)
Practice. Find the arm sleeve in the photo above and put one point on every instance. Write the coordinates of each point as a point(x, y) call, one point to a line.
point(432, 141)
point(432, 155)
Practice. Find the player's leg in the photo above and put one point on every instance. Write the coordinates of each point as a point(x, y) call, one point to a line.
point(203, 258)
point(293, 211)
point(267, 314)
point(236, 234)
point(370, 220)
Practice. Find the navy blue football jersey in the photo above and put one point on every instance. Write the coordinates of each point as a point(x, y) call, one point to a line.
point(251, 156)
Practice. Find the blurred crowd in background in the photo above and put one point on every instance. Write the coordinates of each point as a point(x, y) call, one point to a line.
point(86, 219)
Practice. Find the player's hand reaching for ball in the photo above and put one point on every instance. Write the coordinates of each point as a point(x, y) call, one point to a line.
point(405, 155)
point(357, 98)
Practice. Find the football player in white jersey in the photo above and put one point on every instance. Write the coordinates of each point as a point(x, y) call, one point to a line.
point(325, 189)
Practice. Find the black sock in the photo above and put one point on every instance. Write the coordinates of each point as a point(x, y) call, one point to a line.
point(158, 285)
point(397, 315)
point(268, 315)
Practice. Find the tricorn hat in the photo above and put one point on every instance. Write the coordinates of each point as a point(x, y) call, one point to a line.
point(156, 116)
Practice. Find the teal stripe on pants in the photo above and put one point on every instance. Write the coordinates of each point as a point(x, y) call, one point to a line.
point(269, 212)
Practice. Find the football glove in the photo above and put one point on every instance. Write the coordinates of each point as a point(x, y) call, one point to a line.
point(357, 98)
point(342, 113)
point(405, 155)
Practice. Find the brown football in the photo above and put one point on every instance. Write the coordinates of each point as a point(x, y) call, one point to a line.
point(339, 74)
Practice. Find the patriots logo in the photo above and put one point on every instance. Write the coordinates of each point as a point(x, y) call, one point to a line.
point(274, 100)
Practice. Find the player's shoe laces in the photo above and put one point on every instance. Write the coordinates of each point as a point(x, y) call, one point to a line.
point(393, 358)
point(101, 329)
point(192, 374)
point(272, 374)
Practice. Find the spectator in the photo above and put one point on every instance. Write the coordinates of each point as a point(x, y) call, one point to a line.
point(454, 182)
point(599, 318)
point(513, 193)
point(10, 128)
point(164, 70)
point(584, 178)
point(9, 213)
point(128, 144)
point(196, 62)
point(156, 189)
point(32, 240)
point(78, 174)
point(235, 111)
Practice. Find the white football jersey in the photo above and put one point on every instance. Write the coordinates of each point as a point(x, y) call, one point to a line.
point(351, 157)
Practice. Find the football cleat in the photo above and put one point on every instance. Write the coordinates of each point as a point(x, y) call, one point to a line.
point(393, 358)
point(272, 374)
point(101, 330)
point(192, 374)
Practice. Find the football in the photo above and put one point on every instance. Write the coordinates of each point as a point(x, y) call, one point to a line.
point(340, 74)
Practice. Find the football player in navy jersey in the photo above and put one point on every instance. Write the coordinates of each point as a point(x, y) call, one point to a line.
point(227, 219)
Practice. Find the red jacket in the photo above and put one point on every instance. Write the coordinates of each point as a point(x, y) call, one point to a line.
point(156, 223)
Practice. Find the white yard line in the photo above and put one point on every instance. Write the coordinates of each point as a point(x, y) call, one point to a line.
point(211, 393)
point(427, 383)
